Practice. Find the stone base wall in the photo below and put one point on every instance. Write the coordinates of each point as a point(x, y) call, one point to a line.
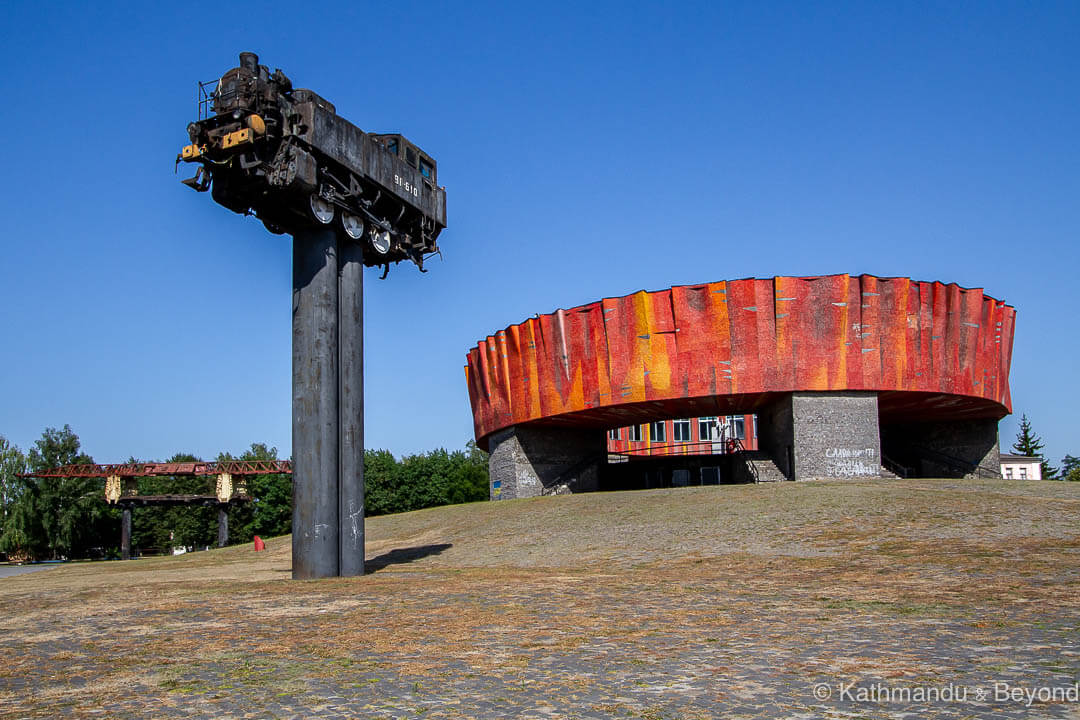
point(808, 435)
point(530, 461)
point(836, 435)
point(822, 435)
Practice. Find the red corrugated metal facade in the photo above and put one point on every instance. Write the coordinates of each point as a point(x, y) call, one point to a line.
point(726, 347)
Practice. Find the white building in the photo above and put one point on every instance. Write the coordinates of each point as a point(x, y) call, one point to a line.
point(1021, 467)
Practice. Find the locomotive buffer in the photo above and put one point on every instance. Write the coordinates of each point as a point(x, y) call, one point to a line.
point(349, 199)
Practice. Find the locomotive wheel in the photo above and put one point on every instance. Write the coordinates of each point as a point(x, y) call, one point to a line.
point(380, 240)
point(352, 225)
point(322, 209)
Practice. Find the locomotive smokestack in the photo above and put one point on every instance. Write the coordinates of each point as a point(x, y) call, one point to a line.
point(249, 61)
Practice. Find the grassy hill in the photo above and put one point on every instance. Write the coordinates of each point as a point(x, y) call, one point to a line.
point(695, 602)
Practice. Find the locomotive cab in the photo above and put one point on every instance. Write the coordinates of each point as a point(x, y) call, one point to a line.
point(413, 156)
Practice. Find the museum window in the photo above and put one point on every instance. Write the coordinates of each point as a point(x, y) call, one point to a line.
point(708, 429)
point(755, 425)
point(737, 423)
point(1023, 473)
point(635, 434)
point(613, 434)
point(1008, 472)
point(681, 431)
point(657, 431)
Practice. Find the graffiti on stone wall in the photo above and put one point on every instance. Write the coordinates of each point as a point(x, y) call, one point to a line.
point(851, 462)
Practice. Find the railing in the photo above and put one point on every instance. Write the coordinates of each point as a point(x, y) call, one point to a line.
point(571, 473)
point(894, 467)
point(738, 447)
point(966, 467)
point(698, 448)
point(205, 98)
point(725, 446)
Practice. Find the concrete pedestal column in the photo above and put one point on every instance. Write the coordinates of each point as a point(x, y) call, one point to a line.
point(531, 461)
point(351, 408)
point(823, 435)
point(315, 428)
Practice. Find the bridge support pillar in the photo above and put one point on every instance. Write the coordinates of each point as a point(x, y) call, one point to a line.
point(823, 434)
point(125, 533)
point(222, 526)
point(532, 461)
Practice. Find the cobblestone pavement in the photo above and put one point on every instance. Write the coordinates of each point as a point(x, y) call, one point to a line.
point(817, 601)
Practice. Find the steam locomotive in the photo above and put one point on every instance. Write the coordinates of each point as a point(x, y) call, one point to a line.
point(284, 155)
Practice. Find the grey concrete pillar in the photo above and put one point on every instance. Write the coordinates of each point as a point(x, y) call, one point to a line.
point(351, 408)
point(532, 461)
point(222, 526)
point(125, 533)
point(823, 435)
point(315, 427)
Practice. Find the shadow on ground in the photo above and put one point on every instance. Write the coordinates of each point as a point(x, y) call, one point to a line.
point(401, 556)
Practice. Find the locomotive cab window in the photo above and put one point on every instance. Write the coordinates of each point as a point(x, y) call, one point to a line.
point(427, 170)
point(392, 145)
point(410, 156)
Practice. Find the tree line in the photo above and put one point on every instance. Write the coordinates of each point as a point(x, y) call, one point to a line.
point(67, 518)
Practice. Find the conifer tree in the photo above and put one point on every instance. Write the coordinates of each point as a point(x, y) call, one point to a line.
point(1029, 444)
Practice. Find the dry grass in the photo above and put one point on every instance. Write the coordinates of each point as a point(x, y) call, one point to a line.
point(667, 603)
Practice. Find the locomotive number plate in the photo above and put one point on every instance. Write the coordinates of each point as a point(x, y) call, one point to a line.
point(406, 186)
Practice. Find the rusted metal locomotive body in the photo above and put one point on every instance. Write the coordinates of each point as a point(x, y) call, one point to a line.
point(285, 155)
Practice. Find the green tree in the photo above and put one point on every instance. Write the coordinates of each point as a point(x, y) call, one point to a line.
point(1030, 445)
point(58, 517)
point(380, 476)
point(468, 483)
point(469, 478)
point(162, 528)
point(12, 462)
point(424, 480)
point(1070, 468)
point(24, 536)
point(270, 511)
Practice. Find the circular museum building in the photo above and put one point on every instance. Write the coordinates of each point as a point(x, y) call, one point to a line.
point(785, 378)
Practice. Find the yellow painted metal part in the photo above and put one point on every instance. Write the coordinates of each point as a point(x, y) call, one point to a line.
point(113, 489)
point(236, 138)
point(256, 123)
point(224, 487)
point(192, 152)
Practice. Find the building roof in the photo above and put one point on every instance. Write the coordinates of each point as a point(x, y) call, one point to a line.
point(1020, 458)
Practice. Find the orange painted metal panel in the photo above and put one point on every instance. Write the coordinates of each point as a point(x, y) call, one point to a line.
point(726, 346)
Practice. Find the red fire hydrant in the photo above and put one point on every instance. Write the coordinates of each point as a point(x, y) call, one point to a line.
point(259, 544)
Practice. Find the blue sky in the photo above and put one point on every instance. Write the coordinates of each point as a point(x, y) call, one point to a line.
point(588, 150)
